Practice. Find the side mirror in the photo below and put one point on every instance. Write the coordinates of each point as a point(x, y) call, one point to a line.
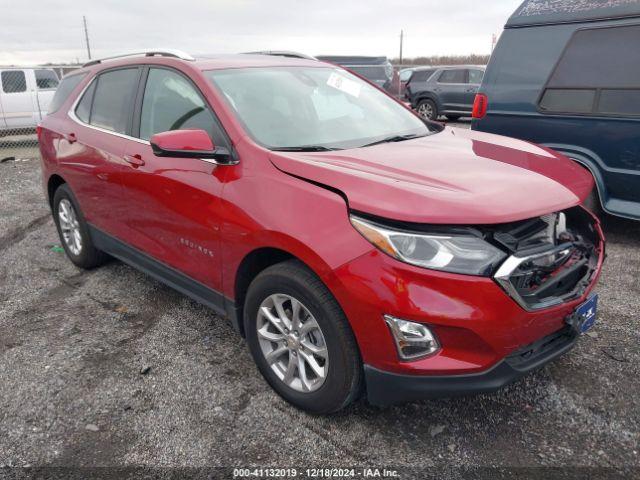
point(188, 144)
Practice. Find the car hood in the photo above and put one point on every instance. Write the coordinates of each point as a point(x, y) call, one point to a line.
point(452, 177)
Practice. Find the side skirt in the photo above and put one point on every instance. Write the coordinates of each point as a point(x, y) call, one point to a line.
point(165, 274)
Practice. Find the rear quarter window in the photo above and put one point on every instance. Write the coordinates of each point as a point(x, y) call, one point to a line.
point(475, 76)
point(598, 74)
point(66, 87)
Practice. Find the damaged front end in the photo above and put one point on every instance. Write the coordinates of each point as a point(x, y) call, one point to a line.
point(554, 258)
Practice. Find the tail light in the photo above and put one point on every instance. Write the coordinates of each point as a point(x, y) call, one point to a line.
point(38, 130)
point(480, 105)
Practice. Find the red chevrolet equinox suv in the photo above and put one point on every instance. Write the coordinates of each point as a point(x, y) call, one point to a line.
point(359, 249)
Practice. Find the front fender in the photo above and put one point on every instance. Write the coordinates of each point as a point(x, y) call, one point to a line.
point(316, 222)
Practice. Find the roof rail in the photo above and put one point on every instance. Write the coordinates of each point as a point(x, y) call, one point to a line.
point(283, 53)
point(167, 52)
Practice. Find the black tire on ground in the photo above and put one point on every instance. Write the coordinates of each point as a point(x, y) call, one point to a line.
point(343, 382)
point(427, 109)
point(89, 256)
point(453, 118)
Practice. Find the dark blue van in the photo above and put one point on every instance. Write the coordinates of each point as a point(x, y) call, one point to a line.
point(566, 74)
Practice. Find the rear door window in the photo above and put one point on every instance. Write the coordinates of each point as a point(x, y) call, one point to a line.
point(13, 81)
point(113, 99)
point(452, 76)
point(67, 85)
point(598, 74)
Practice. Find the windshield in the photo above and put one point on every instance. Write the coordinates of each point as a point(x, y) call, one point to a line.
point(295, 107)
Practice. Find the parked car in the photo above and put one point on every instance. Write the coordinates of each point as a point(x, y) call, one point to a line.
point(356, 247)
point(569, 79)
point(422, 74)
point(448, 91)
point(377, 70)
point(25, 95)
point(403, 77)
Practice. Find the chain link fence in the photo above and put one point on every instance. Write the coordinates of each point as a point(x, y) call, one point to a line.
point(18, 144)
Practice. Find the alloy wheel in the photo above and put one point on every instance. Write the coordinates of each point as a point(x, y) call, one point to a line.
point(425, 110)
point(292, 343)
point(69, 226)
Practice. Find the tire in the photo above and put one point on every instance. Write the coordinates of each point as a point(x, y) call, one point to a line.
point(83, 253)
point(427, 109)
point(453, 118)
point(342, 381)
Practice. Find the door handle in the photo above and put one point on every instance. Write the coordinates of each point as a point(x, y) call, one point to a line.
point(134, 160)
point(71, 137)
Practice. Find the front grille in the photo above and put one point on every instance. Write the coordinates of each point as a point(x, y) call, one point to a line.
point(554, 258)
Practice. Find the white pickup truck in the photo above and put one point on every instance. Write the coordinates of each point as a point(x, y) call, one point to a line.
point(25, 94)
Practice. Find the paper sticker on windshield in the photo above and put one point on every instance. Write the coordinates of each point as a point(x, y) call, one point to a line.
point(344, 85)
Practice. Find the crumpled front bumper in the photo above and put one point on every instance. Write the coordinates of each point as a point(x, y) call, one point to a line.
point(387, 388)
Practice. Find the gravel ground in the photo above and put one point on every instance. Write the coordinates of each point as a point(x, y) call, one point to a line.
point(73, 345)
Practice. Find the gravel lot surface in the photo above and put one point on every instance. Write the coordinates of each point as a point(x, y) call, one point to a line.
point(73, 345)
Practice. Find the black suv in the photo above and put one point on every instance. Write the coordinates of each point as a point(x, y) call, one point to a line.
point(449, 91)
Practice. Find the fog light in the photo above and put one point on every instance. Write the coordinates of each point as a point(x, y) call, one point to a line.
point(413, 340)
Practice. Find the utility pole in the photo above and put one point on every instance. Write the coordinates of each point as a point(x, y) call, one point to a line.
point(400, 67)
point(86, 36)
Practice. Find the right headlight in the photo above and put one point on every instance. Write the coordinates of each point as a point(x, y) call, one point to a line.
point(455, 253)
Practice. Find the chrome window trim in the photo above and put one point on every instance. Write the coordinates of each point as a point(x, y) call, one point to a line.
point(72, 115)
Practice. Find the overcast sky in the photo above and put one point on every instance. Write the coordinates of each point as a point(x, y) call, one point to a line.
point(51, 30)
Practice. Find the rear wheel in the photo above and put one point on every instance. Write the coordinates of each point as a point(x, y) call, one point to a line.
point(427, 109)
point(300, 339)
point(74, 230)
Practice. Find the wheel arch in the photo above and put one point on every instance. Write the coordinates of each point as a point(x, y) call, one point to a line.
point(261, 258)
point(53, 183)
point(427, 96)
point(590, 162)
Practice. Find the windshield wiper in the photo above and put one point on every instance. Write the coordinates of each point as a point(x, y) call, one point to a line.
point(304, 148)
point(393, 138)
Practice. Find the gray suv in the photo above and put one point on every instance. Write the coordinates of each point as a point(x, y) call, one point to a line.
point(449, 91)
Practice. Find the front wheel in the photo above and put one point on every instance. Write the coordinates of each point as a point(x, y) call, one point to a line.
point(300, 339)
